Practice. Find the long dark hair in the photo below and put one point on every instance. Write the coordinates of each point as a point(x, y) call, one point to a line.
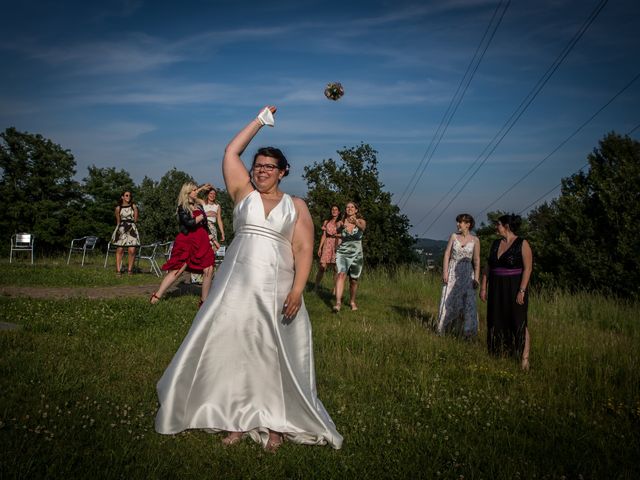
point(330, 217)
point(120, 202)
point(512, 221)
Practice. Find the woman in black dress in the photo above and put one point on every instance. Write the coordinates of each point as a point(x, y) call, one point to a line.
point(504, 284)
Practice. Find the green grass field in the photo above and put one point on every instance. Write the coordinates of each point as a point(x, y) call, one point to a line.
point(77, 384)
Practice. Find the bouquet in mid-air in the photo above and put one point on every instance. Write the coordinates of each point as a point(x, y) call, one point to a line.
point(334, 91)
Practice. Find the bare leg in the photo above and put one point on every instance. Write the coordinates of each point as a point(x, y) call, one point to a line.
point(335, 274)
point(167, 281)
point(206, 283)
point(319, 275)
point(339, 289)
point(353, 289)
point(132, 259)
point(527, 348)
point(119, 255)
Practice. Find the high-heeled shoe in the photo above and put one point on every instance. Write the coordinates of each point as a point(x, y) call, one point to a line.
point(153, 295)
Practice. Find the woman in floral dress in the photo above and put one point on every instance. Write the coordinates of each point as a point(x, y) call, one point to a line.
point(328, 243)
point(126, 233)
point(460, 273)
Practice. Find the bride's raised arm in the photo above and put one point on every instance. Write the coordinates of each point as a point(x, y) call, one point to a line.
point(236, 176)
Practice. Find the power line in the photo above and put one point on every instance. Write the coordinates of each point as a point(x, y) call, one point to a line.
point(548, 192)
point(560, 184)
point(454, 103)
point(518, 112)
point(575, 132)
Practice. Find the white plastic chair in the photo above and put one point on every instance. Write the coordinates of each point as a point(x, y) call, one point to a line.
point(110, 249)
point(220, 255)
point(84, 245)
point(148, 252)
point(22, 242)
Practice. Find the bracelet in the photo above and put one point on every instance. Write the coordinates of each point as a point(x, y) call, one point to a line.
point(521, 290)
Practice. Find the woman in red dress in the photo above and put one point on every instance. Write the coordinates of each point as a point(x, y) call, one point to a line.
point(191, 248)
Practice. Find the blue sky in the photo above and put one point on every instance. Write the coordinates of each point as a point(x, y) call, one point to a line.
point(146, 86)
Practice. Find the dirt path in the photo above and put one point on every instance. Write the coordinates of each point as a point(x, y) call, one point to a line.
point(94, 293)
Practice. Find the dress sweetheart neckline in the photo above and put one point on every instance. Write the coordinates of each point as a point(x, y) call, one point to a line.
point(463, 244)
point(264, 210)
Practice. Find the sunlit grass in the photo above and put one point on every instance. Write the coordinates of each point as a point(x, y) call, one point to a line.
point(78, 391)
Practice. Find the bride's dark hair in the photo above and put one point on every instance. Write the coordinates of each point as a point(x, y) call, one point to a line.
point(276, 153)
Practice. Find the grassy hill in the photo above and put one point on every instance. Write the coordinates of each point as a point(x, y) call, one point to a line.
point(78, 389)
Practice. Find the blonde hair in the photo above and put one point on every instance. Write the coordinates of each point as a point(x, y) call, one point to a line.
point(183, 197)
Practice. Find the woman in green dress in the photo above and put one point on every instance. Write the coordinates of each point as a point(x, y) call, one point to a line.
point(349, 256)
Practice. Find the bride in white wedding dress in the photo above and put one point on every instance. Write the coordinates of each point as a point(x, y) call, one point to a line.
point(246, 365)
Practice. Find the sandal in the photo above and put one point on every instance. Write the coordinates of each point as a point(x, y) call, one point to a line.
point(232, 439)
point(273, 445)
point(354, 306)
point(200, 303)
point(336, 308)
point(129, 272)
point(153, 295)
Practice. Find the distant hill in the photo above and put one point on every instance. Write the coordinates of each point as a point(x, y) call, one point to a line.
point(436, 247)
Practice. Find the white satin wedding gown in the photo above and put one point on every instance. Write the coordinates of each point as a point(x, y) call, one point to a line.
point(242, 366)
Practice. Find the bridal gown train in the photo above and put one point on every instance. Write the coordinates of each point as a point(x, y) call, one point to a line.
point(242, 366)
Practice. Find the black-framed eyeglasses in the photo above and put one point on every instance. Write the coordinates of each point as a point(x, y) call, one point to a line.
point(267, 167)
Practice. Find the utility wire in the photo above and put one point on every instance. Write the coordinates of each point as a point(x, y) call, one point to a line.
point(515, 116)
point(549, 191)
point(454, 103)
point(560, 184)
point(575, 132)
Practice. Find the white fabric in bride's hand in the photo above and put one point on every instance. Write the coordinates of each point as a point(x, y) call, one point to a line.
point(243, 367)
point(266, 118)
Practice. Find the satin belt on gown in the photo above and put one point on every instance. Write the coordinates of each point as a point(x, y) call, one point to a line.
point(242, 367)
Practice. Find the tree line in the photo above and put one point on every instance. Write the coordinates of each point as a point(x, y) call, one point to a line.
point(584, 239)
point(42, 197)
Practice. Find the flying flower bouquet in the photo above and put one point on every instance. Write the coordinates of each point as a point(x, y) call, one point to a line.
point(334, 91)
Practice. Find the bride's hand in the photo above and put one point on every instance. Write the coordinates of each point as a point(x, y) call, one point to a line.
point(265, 117)
point(292, 305)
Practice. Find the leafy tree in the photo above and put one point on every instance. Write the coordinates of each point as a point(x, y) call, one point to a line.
point(37, 187)
point(586, 237)
point(354, 177)
point(157, 202)
point(101, 191)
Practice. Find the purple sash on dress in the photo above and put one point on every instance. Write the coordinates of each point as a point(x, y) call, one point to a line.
point(506, 272)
